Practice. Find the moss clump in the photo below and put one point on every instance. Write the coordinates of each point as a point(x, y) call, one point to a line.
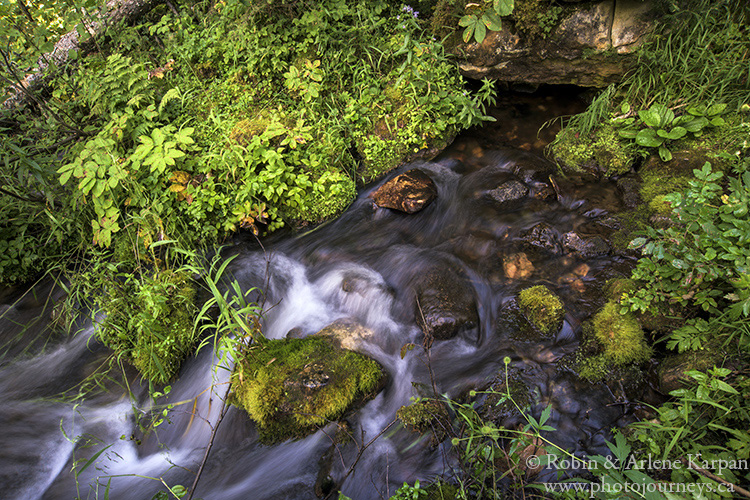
point(424, 416)
point(290, 387)
point(542, 308)
point(149, 321)
point(613, 340)
point(604, 152)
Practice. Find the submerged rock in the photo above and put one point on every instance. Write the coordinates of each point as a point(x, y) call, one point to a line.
point(409, 192)
point(445, 303)
point(542, 237)
point(517, 266)
point(585, 247)
point(290, 387)
point(509, 195)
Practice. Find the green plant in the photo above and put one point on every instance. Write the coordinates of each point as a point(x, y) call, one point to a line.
point(477, 24)
point(408, 492)
point(706, 426)
point(662, 125)
point(705, 259)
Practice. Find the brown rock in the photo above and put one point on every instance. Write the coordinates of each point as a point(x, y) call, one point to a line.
point(517, 266)
point(409, 192)
point(347, 333)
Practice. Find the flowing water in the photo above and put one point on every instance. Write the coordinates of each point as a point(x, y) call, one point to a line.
point(363, 266)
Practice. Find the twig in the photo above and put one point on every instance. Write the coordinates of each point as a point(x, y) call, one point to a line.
point(701, 470)
point(361, 452)
point(214, 429)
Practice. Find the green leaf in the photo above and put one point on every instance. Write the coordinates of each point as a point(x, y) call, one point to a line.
point(467, 20)
point(492, 21)
point(503, 7)
point(480, 32)
point(650, 117)
point(625, 107)
point(716, 109)
point(718, 121)
point(664, 153)
point(627, 134)
point(648, 138)
point(677, 133)
point(696, 125)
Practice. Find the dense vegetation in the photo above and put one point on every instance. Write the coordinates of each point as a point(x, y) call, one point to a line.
point(202, 119)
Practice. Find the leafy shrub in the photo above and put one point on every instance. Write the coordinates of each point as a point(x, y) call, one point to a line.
point(149, 320)
point(704, 259)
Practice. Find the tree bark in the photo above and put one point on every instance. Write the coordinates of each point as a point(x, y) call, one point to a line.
point(114, 12)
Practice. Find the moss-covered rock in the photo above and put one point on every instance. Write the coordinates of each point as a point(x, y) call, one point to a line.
point(426, 415)
point(603, 154)
point(611, 340)
point(542, 308)
point(673, 370)
point(291, 387)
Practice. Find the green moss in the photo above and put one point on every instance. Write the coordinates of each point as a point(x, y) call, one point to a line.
point(542, 308)
point(660, 180)
point(149, 322)
point(620, 336)
point(290, 387)
point(604, 152)
point(424, 416)
point(631, 222)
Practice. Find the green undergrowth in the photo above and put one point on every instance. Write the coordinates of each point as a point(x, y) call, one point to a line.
point(231, 117)
point(148, 319)
point(291, 387)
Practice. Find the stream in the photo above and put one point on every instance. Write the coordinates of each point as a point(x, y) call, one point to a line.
point(362, 267)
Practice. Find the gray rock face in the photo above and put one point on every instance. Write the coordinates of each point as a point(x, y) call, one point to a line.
point(591, 46)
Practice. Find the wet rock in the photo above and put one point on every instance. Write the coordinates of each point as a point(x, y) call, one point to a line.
point(585, 247)
point(630, 190)
point(542, 237)
point(543, 191)
point(409, 192)
point(517, 266)
point(445, 303)
point(347, 333)
point(509, 195)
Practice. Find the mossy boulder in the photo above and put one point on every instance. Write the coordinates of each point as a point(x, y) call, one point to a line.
point(603, 154)
point(542, 309)
point(291, 387)
point(673, 370)
point(611, 340)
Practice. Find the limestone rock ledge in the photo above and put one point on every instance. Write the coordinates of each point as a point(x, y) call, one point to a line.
point(591, 46)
